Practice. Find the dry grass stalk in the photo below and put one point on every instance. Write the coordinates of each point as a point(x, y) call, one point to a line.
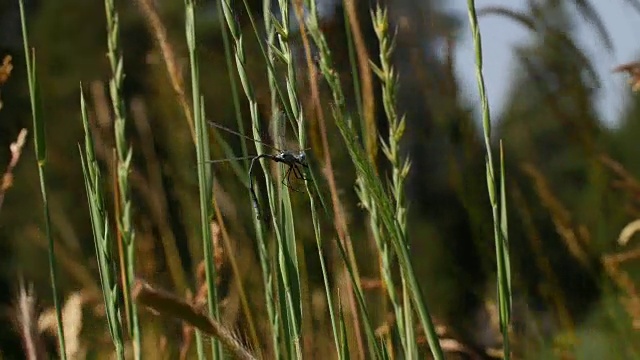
point(555, 296)
point(157, 200)
point(158, 29)
point(166, 304)
point(560, 216)
point(16, 151)
point(72, 320)
point(218, 230)
point(625, 181)
point(174, 70)
point(631, 300)
point(366, 80)
point(628, 231)
point(26, 320)
point(148, 186)
point(611, 264)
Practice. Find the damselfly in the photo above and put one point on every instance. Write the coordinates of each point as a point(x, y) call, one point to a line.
point(294, 159)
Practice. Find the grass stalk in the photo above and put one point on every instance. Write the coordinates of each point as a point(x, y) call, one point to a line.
point(285, 236)
point(41, 156)
point(102, 234)
point(205, 184)
point(264, 260)
point(498, 205)
point(283, 48)
point(124, 155)
point(353, 62)
point(167, 304)
point(270, 66)
point(341, 227)
point(370, 180)
point(158, 30)
point(270, 24)
point(399, 168)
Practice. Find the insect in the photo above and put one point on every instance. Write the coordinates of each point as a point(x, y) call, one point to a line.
point(294, 159)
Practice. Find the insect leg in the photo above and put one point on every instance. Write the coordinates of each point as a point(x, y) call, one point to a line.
point(285, 179)
point(298, 173)
point(292, 168)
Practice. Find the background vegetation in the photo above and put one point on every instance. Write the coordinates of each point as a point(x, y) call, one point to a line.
point(571, 183)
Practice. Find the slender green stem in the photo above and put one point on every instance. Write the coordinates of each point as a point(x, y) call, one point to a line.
point(41, 155)
point(204, 172)
point(200, 345)
point(499, 220)
point(264, 260)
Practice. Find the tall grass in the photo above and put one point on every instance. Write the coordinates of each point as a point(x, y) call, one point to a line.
point(371, 182)
point(288, 284)
point(124, 154)
point(103, 237)
point(292, 318)
point(497, 196)
point(399, 171)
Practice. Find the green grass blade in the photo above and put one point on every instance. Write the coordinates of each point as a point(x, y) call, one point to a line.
point(499, 220)
point(204, 172)
point(41, 156)
point(343, 343)
point(504, 262)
